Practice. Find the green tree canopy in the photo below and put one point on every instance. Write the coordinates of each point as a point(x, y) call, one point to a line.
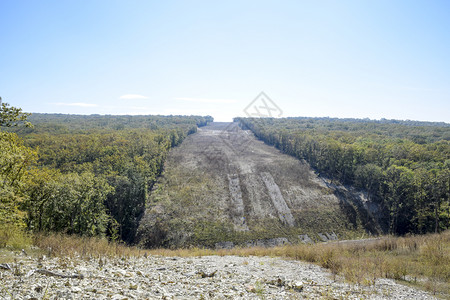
point(12, 116)
point(15, 160)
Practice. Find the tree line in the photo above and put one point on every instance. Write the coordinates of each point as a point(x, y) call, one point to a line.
point(404, 166)
point(86, 175)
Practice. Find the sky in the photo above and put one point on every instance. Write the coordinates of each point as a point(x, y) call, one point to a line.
point(347, 59)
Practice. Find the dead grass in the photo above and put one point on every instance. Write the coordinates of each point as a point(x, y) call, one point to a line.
point(84, 247)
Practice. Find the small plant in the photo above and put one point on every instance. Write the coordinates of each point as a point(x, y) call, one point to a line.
point(259, 288)
point(4, 289)
point(17, 271)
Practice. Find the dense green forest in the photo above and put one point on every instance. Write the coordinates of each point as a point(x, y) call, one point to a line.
point(86, 175)
point(404, 166)
point(91, 175)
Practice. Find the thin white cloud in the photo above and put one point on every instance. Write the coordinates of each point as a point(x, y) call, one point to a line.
point(203, 100)
point(133, 96)
point(79, 104)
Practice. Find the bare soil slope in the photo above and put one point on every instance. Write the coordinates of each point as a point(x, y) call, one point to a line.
point(224, 187)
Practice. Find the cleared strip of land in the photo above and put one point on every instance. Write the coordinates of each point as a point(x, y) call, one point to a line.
point(222, 186)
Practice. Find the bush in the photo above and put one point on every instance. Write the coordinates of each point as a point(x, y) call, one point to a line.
point(14, 237)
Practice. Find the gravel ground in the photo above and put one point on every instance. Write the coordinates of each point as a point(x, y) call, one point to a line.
point(210, 277)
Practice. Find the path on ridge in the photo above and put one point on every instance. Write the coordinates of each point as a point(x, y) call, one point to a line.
point(224, 174)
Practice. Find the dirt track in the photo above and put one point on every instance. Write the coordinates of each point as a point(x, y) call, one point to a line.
point(255, 187)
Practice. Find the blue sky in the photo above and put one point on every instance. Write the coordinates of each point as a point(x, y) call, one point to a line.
point(375, 59)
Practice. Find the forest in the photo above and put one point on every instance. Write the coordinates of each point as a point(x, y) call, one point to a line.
point(84, 175)
point(92, 175)
point(404, 166)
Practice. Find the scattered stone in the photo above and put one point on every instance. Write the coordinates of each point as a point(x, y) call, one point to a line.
point(297, 286)
point(5, 267)
point(304, 238)
point(38, 289)
point(323, 237)
point(331, 236)
point(243, 278)
point(50, 273)
point(224, 245)
point(268, 242)
point(250, 289)
point(205, 275)
point(277, 282)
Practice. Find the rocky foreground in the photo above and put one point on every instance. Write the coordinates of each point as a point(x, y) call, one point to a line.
point(210, 277)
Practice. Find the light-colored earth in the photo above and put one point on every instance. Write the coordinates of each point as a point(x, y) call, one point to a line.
point(257, 180)
point(156, 277)
point(224, 174)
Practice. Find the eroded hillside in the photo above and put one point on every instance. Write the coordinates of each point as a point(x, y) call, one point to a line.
point(223, 187)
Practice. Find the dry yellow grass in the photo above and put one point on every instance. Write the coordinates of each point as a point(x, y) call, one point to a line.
point(69, 246)
point(423, 260)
